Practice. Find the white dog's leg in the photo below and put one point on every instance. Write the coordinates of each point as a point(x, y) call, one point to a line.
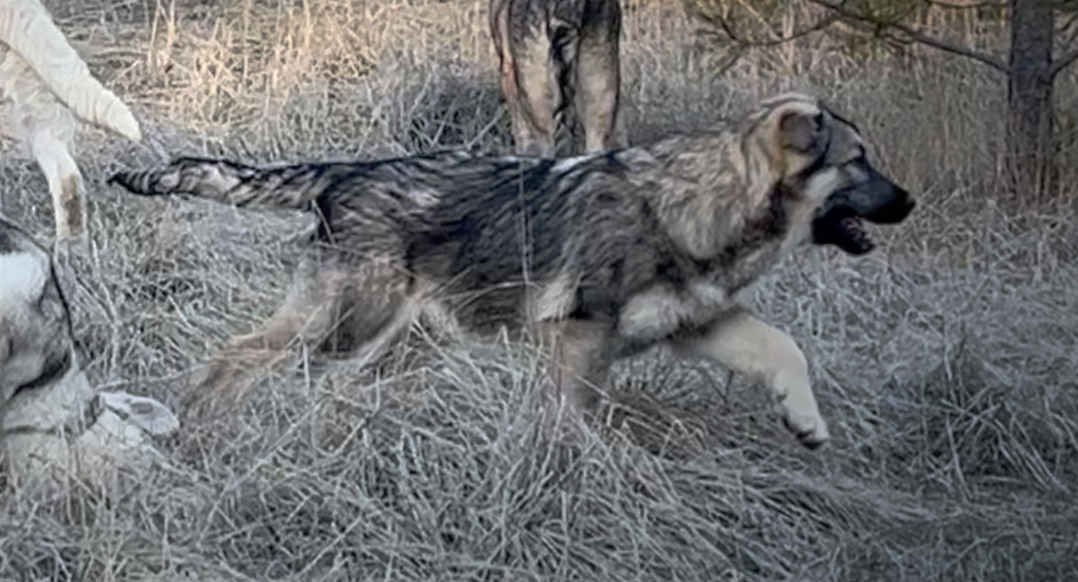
point(28, 28)
point(65, 182)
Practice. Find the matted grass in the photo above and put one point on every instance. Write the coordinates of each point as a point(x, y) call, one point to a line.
point(943, 361)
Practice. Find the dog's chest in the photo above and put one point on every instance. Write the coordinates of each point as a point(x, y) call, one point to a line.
point(690, 294)
point(664, 310)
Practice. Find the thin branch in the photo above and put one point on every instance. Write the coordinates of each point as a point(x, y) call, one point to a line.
point(967, 6)
point(722, 23)
point(1062, 62)
point(1068, 32)
point(917, 36)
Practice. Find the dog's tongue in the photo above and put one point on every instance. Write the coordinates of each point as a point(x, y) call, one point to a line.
point(857, 240)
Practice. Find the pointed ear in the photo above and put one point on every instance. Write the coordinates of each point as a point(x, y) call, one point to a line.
point(801, 131)
point(146, 413)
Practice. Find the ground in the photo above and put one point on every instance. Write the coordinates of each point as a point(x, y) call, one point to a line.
point(943, 360)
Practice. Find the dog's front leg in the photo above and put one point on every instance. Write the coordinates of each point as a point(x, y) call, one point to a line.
point(749, 346)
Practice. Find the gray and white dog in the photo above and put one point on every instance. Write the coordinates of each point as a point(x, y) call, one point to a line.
point(51, 420)
point(602, 256)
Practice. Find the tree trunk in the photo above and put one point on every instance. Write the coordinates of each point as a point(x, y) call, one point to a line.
point(1029, 97)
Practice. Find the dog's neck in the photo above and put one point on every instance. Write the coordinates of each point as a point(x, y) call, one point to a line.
point(706, 198)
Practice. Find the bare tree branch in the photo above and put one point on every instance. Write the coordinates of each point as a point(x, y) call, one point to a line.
point(719, 22)
point(967, 5)
point(1065, 60)
point(1068, 31)
point(915, 35)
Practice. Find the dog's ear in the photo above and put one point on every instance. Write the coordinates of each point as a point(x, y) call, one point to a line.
point(801, 131)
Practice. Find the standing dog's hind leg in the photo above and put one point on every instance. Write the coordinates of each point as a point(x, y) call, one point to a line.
point(65, 182)
point(597, 79)
point(50, 151)
point(535, 99)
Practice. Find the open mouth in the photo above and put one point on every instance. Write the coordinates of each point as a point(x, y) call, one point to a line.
point(844, 230)
point(840, 221)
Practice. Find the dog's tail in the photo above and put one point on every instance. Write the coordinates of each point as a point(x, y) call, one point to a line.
point(230, 182)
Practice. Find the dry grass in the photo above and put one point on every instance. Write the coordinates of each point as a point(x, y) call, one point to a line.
point(944, 360)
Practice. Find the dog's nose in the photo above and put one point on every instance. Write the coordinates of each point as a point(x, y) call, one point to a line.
point(896, 210)
point(910, 204)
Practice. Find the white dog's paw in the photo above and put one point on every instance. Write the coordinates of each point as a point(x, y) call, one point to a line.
point(146, 413)
point(810, 429)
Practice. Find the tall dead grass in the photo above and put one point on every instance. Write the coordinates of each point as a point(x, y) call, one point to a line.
point(944, 360)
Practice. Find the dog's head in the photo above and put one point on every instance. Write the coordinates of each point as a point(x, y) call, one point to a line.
point(826, 165)
point(45, 398)
point(35, 323)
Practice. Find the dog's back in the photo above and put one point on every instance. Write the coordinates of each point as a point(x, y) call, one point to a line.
point(499, 227)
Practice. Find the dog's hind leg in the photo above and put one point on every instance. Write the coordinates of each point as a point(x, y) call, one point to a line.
point(343, 308)
point(579, 360)
point(396, 320)
point(65, 183)
point(50, 150)
point(749, 346)
point(533, 96)
point(596, 79)
point(309, 313)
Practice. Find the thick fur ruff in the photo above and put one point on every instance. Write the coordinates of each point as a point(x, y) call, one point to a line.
point(51, 421)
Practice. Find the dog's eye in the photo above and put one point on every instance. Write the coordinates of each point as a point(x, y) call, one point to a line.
point(819, 120)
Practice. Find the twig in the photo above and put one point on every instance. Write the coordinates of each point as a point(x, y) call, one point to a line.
point(915, 35)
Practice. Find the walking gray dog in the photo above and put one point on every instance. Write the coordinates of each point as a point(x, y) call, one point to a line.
point(555, 55)
point(602, 255)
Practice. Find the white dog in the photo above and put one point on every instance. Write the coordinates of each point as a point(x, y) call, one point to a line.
point(46, 85)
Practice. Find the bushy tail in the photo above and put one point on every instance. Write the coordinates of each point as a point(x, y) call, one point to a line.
point(231, 183)
point(28, 29)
